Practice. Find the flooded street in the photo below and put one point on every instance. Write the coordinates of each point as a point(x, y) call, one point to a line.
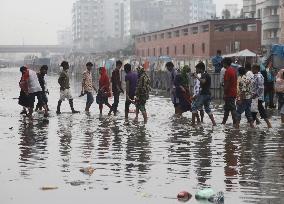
point(134, 163)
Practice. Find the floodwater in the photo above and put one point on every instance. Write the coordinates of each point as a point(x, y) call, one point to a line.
point(134, 163)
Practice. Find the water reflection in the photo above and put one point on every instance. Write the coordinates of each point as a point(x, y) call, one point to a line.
point(138, 153)
point(179, 150)
point(166, 154)
point(231, 158)
point(203, 154)
point(33, 145)
point(65, 138)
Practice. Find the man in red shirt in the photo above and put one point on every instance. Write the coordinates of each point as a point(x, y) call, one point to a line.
point(230, 91)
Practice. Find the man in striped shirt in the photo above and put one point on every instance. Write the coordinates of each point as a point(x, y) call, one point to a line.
point(88, 86)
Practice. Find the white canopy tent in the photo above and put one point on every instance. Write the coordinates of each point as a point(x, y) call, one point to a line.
point(243, 53)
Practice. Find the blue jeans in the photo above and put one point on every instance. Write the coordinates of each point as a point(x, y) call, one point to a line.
point(244, 106)
point(90, 98)
point(202, 100)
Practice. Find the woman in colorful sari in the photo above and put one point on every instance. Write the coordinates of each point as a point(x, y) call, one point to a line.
point(182, 90)
point(104, 90)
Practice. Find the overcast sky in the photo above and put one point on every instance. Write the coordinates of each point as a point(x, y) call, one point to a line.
point(36, 21)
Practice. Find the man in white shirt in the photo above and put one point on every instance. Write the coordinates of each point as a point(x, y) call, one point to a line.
point(33, 90)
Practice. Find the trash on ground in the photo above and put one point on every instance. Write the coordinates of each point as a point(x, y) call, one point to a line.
point(89, 170)
point(77, 183)
point(204, 194)
point(184, 196)
point(218, 198)
point(46, 188)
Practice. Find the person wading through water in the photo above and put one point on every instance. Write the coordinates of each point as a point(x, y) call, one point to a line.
point(142, 93)
point(116, 87)
point(65, 92)
point(131, 84)
point(88, 86)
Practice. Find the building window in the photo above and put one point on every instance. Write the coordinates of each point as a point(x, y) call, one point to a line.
point(237, 45)
point(144, 39)
point(192, 49)
point(177, 33)
point(162, 35)
point(203, 48)
point(169, 34)
point(183, 49)
point(161, 51)
point(155, 37)
point(175, 50)
point(149, 38)
point(143, 53)
point(194, 30)
point(154, 51)
point(205, 28)
point(168, 51)
point(148, 52)
point(185, 31)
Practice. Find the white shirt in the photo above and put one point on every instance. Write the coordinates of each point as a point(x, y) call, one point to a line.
point(249, 75)
point(33, 83)
point(222, 74)
point(196, 88)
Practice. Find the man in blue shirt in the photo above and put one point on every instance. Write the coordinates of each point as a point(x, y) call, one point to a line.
point(217, 62)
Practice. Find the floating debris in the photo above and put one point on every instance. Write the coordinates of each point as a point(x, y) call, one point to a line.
point(89, 170)
point(184, 196)
point(204, 194)
point(46, 188)
point(77, 183)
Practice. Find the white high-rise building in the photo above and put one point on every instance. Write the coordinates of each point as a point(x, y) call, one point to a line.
point(64, 37)
point(152, 15)
point(100, 25)
point(269, 12)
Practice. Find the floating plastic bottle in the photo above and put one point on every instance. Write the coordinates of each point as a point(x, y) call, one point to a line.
point(204, 194)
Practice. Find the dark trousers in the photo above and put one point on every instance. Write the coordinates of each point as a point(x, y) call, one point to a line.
point(128, 103)
point(244, 106)
point(90, 99)
point(115, 102)
point(261, 110)
point(230, 106)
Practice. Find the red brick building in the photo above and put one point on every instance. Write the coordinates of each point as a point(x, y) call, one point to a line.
point(202, 39)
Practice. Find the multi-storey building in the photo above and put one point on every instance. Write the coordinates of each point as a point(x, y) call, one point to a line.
point(202, 39)
point(151, 15)
point(282, 21)
point(268, 11)
point(100, 25)
point(64, 37)
point(87, 23)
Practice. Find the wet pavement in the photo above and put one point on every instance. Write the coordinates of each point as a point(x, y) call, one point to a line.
point(134, 163)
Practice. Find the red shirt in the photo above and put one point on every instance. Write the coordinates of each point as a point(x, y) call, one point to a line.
point(230, 81)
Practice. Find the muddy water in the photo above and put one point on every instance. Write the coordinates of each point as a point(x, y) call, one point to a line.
point(134, 163)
